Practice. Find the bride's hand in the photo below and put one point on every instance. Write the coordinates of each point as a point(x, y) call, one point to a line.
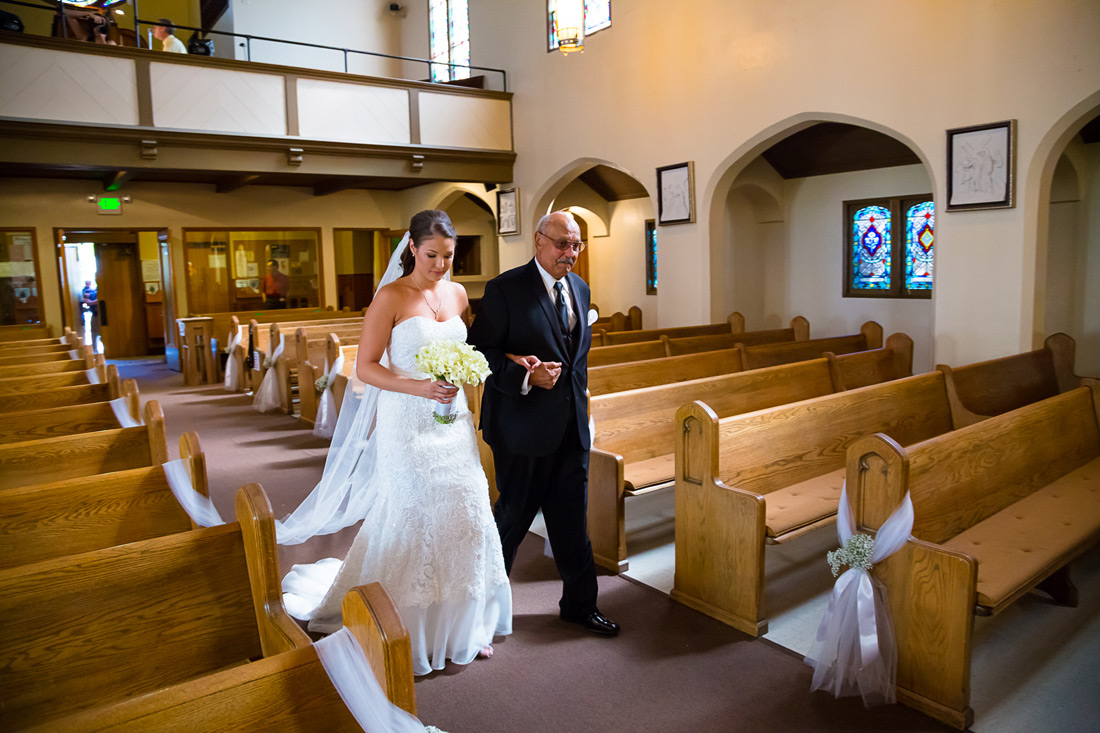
point(438, 390)
point(527, 362)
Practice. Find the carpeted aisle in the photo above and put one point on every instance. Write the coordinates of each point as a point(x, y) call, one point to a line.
point(672, 669)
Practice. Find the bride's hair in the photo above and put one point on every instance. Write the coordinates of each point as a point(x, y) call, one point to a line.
point(425, 224)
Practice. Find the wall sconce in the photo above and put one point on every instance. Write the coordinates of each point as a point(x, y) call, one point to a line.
point(570, 20)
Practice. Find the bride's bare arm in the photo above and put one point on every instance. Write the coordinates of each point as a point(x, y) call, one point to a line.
point(378, 323)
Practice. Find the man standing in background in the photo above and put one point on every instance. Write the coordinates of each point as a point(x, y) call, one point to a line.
point(275, 286)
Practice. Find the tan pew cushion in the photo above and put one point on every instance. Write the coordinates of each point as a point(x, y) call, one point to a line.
point(1021, 544)
point(800, 505)
point(651, 472)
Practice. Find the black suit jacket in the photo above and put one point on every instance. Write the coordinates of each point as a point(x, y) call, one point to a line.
point(517, 316)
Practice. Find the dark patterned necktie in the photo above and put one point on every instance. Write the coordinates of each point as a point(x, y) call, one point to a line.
point(563, 313)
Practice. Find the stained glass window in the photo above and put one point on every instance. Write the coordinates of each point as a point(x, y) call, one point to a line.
point(597, 16)
point(919, 243)
point(449, 38)
point(650, 257)
point(880, 263)
point(871, 248)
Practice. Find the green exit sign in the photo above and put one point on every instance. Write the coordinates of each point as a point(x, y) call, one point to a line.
point(109, 205)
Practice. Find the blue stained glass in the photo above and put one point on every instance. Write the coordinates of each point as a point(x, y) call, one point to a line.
point(460, 37)
point(651, 257)
point(439, 46)
point(552, 23)
point(871, 248)
point(919, 245)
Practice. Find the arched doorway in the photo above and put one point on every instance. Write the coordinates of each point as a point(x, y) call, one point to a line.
point(781, 221)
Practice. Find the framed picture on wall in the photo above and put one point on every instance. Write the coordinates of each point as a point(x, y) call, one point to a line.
point(981, 166)
point(676, 193)
point(508, 211)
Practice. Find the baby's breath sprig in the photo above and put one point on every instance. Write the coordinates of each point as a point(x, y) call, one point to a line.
point(856, 553)
point(320, 383)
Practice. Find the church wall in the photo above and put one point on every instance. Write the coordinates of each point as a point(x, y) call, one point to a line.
point(348, 24)
point(1088, 338)
point(617, 262)
point(817, 236)
point(699, 81)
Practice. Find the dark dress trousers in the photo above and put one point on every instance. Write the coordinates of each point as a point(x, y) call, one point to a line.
point(540, 440)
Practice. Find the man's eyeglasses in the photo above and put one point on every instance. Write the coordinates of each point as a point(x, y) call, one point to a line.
point(564, 245)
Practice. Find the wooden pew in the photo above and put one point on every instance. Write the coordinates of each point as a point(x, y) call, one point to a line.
point(93, 512)
point(666, 370)
point(335, 344)
point(764, 355)
point(69, 456)
point(91, 629)
point(52, 422)
point(666, 346)
point(735, 323)
point(13, 386)
point(987, 388)
point(629, 321)
point(108, 389)
point(633, 450)
point(38, 366)
point(289, 691)
point(37, 358)
point(311, 350)
point(771, 476)
point(265, 339)
point(864, 368)
point(31, 332)
point(1000, 507)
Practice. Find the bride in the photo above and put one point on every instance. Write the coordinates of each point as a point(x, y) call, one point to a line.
point(428, 533)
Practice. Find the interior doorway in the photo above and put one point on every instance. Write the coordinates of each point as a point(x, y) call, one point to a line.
point(113, 289)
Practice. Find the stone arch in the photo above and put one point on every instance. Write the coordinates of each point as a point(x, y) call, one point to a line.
point(718, 188)
point(1039, 181)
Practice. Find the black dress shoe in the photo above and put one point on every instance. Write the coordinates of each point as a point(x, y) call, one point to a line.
point(596, 623)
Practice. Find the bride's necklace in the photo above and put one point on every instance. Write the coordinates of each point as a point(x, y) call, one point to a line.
point(435, 311)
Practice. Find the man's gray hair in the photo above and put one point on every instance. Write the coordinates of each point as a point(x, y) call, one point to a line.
point(543, 221)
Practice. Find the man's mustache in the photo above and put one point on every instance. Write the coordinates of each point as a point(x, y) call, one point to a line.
point(567, 261)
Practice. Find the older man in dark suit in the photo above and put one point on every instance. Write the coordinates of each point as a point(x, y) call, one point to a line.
point(532, 326)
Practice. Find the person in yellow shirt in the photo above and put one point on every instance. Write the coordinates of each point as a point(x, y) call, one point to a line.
point(168, 42)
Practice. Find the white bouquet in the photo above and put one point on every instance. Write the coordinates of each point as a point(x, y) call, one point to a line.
point(455, 362)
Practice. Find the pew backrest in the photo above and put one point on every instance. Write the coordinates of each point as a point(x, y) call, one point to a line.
point(864, 368)
point(62, 396)
point(652, 372)
point(603, 355)
point(641, 424)
point(997, 386)
point(777, 447)
point(130, 619)
point(762, 355)
point(92, 512)
point(52, 422)
point(53, 459)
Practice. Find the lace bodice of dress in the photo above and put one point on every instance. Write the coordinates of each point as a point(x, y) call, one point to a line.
point(409, 336)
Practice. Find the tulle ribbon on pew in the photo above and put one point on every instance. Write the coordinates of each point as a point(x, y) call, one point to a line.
point(324, 425)
point(232, 378)
point(200, 508)
point(73, 354)
point(269, 395)
point(347, 667)
point(855, 652)
point(93, 376)
point(122, 413)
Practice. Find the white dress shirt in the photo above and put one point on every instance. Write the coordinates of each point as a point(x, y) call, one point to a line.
point(548, 281)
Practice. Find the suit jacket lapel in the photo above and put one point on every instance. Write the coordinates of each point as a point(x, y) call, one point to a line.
point(547, 305)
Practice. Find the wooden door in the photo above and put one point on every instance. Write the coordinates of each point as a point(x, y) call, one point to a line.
point(73, 317)
point(168, 296)
point(121, 301)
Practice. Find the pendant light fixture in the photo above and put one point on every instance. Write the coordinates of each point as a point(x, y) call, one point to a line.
point(570, 20)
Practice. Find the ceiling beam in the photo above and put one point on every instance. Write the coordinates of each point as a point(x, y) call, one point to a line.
point(340, 184)
point(114, 180)
point(232, 183)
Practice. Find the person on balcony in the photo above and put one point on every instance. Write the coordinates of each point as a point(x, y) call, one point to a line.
point(168, 42)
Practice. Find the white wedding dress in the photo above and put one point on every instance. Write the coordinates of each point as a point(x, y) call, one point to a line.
point(429, 537)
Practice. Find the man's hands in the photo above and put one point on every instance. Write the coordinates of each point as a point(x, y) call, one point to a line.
point(543, 373)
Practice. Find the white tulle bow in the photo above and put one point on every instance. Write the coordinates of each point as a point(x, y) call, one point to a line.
point(855, 651)
point(325, 422)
